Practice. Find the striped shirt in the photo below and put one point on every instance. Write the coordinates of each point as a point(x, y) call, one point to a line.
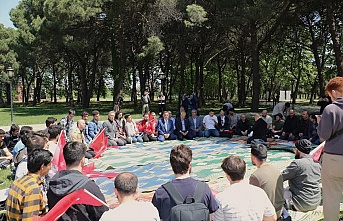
point(25, 198)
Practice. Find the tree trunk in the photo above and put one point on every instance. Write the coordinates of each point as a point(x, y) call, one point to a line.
point(335, 38)
point(255, 67)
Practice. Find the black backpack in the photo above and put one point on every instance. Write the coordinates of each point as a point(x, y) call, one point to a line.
point(190, 208)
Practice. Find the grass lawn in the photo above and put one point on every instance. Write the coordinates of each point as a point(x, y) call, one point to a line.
point(27, 115)
point(6, 177)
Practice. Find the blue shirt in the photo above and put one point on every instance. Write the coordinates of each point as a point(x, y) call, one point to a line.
point(18, 147)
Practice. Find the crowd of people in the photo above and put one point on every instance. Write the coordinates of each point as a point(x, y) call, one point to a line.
point(39, 186)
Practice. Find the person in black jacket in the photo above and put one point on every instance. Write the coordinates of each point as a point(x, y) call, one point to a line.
point(259, 129)
point(70, 180)
point(223, 124)
point(182, 127)
point(290, 127)
point(244, 126)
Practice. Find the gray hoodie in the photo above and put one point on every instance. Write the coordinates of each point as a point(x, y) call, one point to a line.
point(332, 121)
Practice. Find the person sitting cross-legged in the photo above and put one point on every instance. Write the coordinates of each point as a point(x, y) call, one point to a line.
point(244, 126)
point(148, 128)
point(277, 125)
point(303, 176)
point(111, 131)
point(127, 191)
point(242, 201)
point(180, 161)
point(210, 122)
point(95, 125)
point(259, 129)
point(195, 124)
point(223, 124)
point(25, 198)
point(165, 128)
point(267, 177)
point(290, 127)
point(131, 130)
point(182, 128)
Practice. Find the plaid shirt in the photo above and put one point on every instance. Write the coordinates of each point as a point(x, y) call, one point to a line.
point(25, 198)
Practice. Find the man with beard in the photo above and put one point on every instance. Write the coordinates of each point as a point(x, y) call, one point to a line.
point(303, 175)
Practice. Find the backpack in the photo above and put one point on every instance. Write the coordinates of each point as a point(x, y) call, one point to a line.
point(190, 208)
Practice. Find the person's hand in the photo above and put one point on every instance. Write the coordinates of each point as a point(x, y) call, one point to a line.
point(116, 139)
point(196, 130)
point(273, 131)
point(185, 133)
point(301, 134)
point(9, 157)
point(166, 136)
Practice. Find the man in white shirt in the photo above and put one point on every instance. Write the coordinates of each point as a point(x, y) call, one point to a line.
point(210, 122)
point(126, 190)
point(242, 201)
point(281, 108)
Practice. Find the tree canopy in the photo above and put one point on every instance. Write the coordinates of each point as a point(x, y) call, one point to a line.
point(225, 50)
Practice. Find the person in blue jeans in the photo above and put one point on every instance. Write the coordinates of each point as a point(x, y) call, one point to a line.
point(210, 122)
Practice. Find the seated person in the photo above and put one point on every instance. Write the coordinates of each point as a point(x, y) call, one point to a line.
point(269, 120)
point(210, 122)
point(95, 125)
point(148, 128)
point(303, 127)
point(25, 197)
point(5, 154)
point(277, 125)
point(241, 201)
point(78, 135)
point(303, 176)
point(259, 129)
point(111, 131)
point(120, 124)
point(127, 191)
point(312, 130)
point(290, 127)
point(20, 145)
point(234, 118)
point(195, 124)
point(131, 130)
point(12, 137)
point(165, 128)
point(223, 124)
point(181, 109)
point(182, 130)
point(244, 126)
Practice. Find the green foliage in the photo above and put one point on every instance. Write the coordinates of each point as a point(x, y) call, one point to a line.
point(196, 14)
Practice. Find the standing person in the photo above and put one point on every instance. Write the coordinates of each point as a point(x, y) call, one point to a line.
point(185, 185)
point(281, 108)
point(67, 123)
point(95, 125)
point(12, 138)
point(70, 180)
point(193, 102)
point(111, 131)
point(161, 103)
point(210, 122)
point(25, 198)
point(267, 177)
point(303, 175)
point(131, 130)
point(330, 130)
point(323, 102)
point(195, 124)
point(241, 201)
point(145, 102)
point(127, 191)
point(185, 102)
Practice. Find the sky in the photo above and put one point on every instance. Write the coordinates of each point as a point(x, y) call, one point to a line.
point(5, 8)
